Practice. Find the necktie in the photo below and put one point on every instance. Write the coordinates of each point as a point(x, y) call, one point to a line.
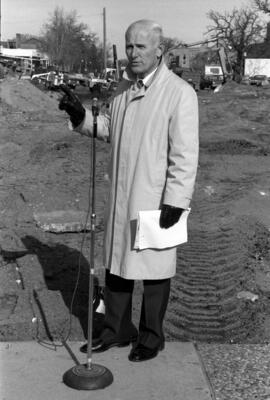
point(139, 83)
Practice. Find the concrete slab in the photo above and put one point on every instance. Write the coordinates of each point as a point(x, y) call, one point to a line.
point(62, 221)
point(30, 371)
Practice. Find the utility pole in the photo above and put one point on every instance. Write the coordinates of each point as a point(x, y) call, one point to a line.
point(0, 27)
point(115, 62)
point(104, 41)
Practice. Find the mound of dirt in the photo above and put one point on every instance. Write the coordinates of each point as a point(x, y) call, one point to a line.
point(236, 90)
point(23, 96)
point(233, 88)
point(235, 146)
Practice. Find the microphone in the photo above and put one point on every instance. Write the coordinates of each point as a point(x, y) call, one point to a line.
point(95, 109)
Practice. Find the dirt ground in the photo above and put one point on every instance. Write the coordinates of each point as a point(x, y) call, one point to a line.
point(221, 292)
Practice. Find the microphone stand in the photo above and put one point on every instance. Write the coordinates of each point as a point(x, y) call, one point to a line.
point(90, 376)
point(95, 112)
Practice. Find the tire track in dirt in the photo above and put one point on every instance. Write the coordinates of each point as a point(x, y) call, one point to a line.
point(213, 267)
point(203, 297)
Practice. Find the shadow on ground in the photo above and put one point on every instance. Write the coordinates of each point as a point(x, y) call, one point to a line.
point(65, 270)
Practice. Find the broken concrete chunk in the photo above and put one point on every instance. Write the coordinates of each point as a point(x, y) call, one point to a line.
point(63, 221)
point(246, 295)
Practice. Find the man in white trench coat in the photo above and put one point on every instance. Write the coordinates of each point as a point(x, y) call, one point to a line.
point(153, 132)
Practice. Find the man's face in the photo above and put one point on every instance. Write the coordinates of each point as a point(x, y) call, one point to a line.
point(142, 50)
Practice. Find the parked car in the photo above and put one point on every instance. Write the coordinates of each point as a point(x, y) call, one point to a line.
point(259, 80)
point(210, 81)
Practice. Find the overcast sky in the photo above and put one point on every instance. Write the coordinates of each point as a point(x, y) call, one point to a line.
point(183, 19)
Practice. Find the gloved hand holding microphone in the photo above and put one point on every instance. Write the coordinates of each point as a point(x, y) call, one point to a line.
point(72, 105)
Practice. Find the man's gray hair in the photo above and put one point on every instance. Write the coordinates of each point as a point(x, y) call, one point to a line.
point(153, 26)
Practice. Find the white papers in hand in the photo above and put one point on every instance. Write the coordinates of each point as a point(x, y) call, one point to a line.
point(150, 235)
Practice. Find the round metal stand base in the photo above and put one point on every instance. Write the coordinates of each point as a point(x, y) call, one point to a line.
point(82, 378)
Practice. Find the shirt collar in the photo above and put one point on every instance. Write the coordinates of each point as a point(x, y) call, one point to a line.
point(147, 79)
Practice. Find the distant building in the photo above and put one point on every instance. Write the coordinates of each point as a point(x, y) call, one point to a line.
point(260, 50)
point(181, 56)
point(257, 57)
point(196, 56)
point(24, 51)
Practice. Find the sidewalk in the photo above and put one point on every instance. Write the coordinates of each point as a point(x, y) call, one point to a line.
point(30, 371)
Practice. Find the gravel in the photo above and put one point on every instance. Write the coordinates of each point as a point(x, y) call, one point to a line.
point(237, 371)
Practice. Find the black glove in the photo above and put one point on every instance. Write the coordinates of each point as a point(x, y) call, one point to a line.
point(72, 105)
point(169, 215)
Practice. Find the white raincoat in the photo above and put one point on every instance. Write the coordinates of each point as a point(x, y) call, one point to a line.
point(154, 156)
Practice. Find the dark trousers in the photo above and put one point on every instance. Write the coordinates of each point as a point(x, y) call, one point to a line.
point(118, 325)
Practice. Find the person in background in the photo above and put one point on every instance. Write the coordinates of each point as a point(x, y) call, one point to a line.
point(152, 128)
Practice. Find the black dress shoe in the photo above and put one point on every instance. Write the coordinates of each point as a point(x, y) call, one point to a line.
point(98, 346)
point(143, 353)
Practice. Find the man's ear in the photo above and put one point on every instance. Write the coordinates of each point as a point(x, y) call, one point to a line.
point(160, 50)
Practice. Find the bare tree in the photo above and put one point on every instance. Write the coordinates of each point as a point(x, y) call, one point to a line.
point(68, 44)
point(169, 43)
point(263, 5)
point(238, 29)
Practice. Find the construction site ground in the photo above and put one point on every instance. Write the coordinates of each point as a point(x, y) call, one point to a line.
point(220, 297)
